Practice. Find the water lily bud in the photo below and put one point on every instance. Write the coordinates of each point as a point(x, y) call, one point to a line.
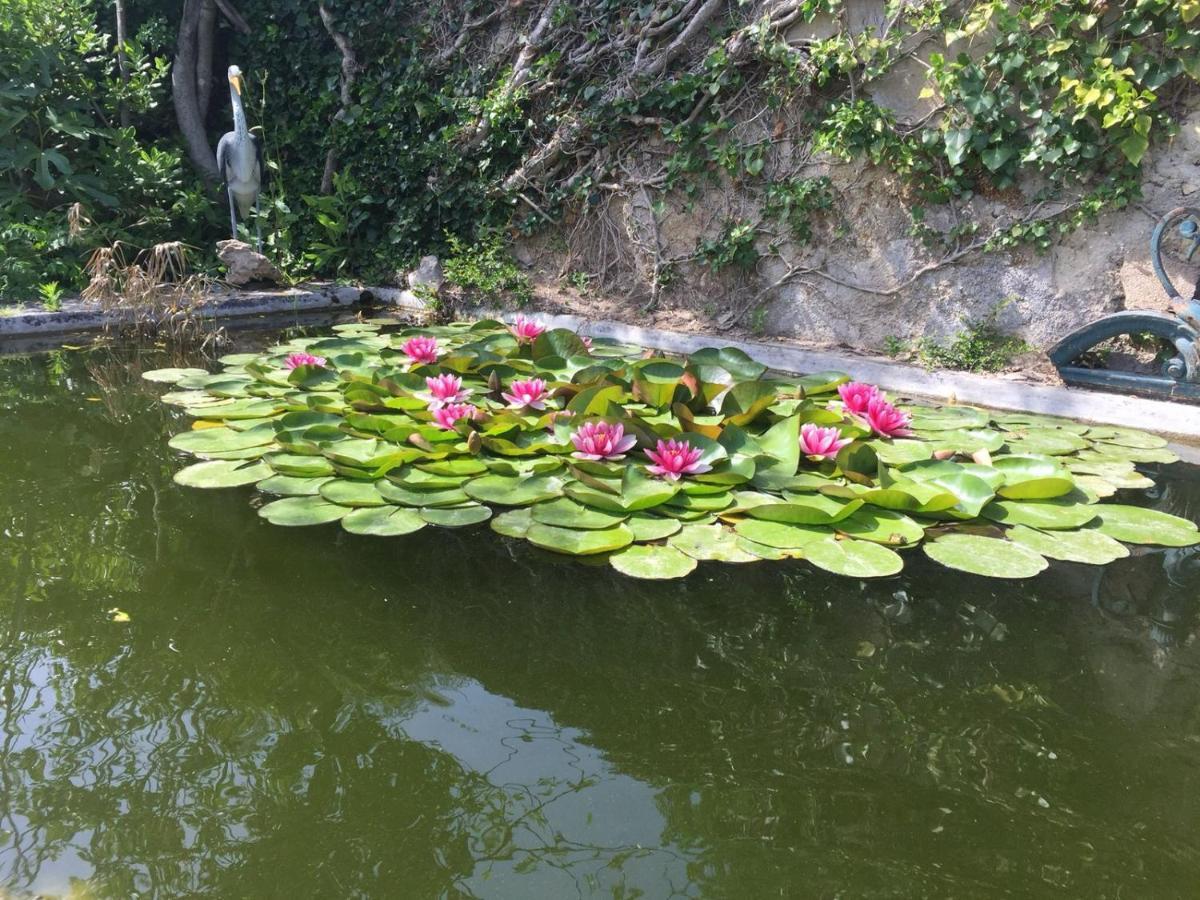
point(943, 454)
point(474, 443)
point(417, 441)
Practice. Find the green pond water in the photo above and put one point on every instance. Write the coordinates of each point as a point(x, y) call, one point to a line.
point(199, 703)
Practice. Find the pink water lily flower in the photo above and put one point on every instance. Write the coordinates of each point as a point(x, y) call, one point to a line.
point(421, 350)
point(303, 359)
point(601, 440)
point(446, 416)
point(526, 330)
point(587, 342)
point(673, 459)
point(444, 389)
point(529, 394)
point(887, 421)
point(823, 443)
point(856, 396)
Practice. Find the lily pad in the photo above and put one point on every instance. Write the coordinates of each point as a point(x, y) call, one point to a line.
point(856, 559)
point(1084, 546)
point(352, 493)
point(652, 562)
point(405, 496)
point(579, 542)
point(882, 526)
point(647, 527)
point(1060, 513)
point(508, 490)
point(456, 516)
point(710, 542)
point(566, 513)
point(807, 509)
point(781, 535)
point(987, 556)
point(222, 474)
point(171, 376)
point(1136, 525)
point(383, 521)
point(514, 523)
point(207, 440)
point(294, 511)
point(291, 486)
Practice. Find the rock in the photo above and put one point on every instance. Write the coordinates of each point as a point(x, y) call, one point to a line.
point(244, 264)
point(426, 276)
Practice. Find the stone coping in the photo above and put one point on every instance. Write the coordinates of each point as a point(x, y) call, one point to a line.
point(1180, 421)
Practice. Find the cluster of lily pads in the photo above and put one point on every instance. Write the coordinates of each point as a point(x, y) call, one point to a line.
point(603, 450)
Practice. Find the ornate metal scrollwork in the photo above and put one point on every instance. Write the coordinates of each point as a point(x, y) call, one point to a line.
point(1180, 377)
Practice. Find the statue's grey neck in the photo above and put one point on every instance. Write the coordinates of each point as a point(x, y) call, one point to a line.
point(239, 113)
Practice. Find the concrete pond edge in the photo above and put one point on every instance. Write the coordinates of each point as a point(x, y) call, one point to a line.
point(1178, 421)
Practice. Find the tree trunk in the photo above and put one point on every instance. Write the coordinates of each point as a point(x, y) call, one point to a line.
point(346, 95)
point(183, 92)
point(122, 62)
point(206, 31)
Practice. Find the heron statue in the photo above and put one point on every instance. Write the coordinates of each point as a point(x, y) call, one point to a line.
point(239, 160)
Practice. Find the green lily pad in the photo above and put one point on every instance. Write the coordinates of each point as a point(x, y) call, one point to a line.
point(1060, 513)
point(781, 535)
point(579, 542)
point(566, 513)
point(710, 542)
point(352, 493)
point(652, 562)
point(856, 559)
point(647, 527)
point(207, 440)
point(1126, 437)
point(296, 465)
point(901, 452)
point(221, 474)
point(383, 521)
point(456, 516)
point(292, 486)
point(405, 496)
point(294, 511)
point(514, 523)
point(1084, 546)
point(763, 551)
point(882, 526)
point(807, 509)
point(987, 556)
point(1045, 442)
point(509, 490)
point(170, 376)
point(1136, 525)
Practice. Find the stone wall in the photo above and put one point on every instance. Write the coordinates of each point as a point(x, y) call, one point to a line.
point(864, 282)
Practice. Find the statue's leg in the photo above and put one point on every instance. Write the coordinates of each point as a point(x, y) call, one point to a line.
point(232, 214)
point(258, 223)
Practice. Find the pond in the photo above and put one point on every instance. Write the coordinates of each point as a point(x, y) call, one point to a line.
point(198, 702)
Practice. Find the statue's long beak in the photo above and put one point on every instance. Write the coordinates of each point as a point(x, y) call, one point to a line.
point(236, 81)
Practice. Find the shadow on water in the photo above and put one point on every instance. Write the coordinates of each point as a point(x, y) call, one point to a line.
point(302, 712)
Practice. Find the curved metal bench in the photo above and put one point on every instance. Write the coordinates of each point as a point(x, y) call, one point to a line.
point(1180, 327)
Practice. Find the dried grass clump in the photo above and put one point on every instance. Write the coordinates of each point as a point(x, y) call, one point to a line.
point(154, 293)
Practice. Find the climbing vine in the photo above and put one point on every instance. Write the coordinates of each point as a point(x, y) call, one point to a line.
point(603, 117)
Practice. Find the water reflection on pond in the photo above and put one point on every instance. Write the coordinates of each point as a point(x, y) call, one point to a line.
point(301, 712)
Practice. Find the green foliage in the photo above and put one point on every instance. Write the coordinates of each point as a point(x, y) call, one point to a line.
point(797, 201)
point(980, 347)
point(51, 294)
point(60, 148)
point(734, 246)
point(487, 268)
